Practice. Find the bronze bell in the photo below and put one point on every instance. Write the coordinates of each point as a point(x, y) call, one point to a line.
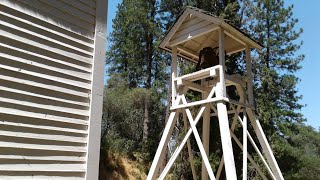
point(208, 57)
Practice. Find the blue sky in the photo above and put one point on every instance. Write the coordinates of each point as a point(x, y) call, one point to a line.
point(308, 14)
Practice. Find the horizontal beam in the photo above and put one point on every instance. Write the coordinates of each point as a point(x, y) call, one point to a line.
point(235, 50)
point(188, 52)
point(193, 86)
point(229, 112)
point(197, 103)
point(204, 73)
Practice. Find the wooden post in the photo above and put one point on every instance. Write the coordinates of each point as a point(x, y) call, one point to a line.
point(264, 143)
point(249, 76)
point(186, 127)
point(245, 145)
point(96, 99)
point(205, 133)
point(174, 71)
point(222, 62)
point(162, 146)
point(223, 116)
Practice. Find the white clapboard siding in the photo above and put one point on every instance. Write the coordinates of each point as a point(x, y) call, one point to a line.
point(51, 57)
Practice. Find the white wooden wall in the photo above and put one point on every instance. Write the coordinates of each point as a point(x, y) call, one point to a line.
point(51, 88)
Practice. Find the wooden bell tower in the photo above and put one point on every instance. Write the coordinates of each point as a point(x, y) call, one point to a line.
point(194, 30)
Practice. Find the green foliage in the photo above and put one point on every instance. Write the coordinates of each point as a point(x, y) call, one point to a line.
point(273, 25)
point(123, 116)
point(134, 103)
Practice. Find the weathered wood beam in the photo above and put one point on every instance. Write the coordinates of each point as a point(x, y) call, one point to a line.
point(188, 52)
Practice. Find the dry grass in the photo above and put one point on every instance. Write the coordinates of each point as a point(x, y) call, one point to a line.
point(114, 166)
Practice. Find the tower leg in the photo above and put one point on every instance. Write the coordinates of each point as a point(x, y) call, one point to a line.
point(189, 147)
point(205, 136)
point(265, 145)
point(226, 142)
point(162, 146)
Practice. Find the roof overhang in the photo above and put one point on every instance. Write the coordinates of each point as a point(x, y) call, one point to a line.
point(194, 30)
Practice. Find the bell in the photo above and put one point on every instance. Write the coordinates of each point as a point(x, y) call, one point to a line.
point(208, 57)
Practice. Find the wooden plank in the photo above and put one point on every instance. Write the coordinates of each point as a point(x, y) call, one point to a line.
point(36, 25)
point(33, 176)
point(50, 78)
point(185, 124)
point(43, 168)
point(97, 93)
point(204, 16)
point(209, 41)
point(188, 52)
point(41, 127)
point(245, 148)
point(190, 28)
point(174, 73)
point(84, 70)
point(45, 20)
point(81, 6)
point(229, 112)
point(234, 32)
point(81, 149)
point(197, 103)
point(48, 137)
point(226, 26)
point(235, 38)
point(249, 76)
point(168, 37)
point(193, 34)
point(194, 86)
point(205, 132)
point(235, 50)
point(249, 157)
point(162, 146)
point(40, 116)
point(201, 148)
point(189, 23)
point(67, 72)
point(235, 79)
point(39, 105)
point(44, 86)
point(59, 16)
point(226, 142)
point(221, 86)
point(204, 73)
point(264, 144)
point(43, 158)
point(180, 147)
point(43, 38)
point(66, 8)
point(44, 97)
point(45, 48)
point(89, 3)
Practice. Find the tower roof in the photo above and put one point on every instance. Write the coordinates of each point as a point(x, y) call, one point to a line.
point(195, 29)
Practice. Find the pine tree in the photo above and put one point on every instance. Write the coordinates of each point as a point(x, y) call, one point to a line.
point(125, 57)
point(271, 22)
point(134, 53)
point(273, 25)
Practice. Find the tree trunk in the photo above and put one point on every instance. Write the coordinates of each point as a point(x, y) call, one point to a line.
point(149, 37)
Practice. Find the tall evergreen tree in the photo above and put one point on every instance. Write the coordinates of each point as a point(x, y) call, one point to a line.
point(273, 25)
point(271, 22)
point(134, 50)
